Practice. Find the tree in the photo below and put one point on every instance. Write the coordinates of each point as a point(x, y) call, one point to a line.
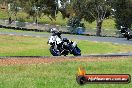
point(66, 9)
point(13, 8)
point(74, 22)
point(49, 8)
point(37, 8)
point(92, 10)
point(122, 12)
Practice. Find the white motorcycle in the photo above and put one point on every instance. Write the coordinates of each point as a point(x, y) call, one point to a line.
point(63, 46)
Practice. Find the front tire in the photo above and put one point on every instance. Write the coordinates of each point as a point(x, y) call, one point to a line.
point(54, 52)
point(127, 38)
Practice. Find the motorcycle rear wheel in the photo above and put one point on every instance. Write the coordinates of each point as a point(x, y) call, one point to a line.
point(76, 51)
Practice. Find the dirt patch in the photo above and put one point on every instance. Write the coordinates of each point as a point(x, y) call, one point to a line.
point(42, 60)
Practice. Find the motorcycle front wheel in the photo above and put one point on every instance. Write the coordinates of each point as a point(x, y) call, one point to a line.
point(54, 52)
point(128, 38)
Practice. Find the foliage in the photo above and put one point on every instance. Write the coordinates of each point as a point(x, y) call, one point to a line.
point(36, 8)
point(66, 9)
point(122, 12)
point(92, 10)
point(75, 22)
point(13, 8)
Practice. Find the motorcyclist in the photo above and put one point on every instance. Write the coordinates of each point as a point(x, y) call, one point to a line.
point(56, 32)
point(56, 38)
point(65, 42)
point(124, 29)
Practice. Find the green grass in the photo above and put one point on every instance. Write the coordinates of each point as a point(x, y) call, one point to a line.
point(20, 31)
point(33, 46)
point(61, 74)
point(108, 24)
point(23, 46)
point(101, 48)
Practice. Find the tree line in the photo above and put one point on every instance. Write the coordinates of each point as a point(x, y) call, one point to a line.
point(89, 10)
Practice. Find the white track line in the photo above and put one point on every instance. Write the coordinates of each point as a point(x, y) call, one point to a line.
point(11, 34)
point(25, 35)
point(38, 36)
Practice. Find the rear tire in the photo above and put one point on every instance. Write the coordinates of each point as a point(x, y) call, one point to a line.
point(76, 51)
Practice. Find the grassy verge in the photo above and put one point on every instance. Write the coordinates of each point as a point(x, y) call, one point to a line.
point(23, 46)
point(61, 74)
point(20, 31)
point(102, 48)
point(33, 46)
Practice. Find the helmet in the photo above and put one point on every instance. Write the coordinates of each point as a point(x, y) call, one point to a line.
point(53, 30)
point(65, 40)
point(123, 27)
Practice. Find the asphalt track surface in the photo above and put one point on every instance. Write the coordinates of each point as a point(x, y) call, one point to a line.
point(113, 40)
point(79, 37)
